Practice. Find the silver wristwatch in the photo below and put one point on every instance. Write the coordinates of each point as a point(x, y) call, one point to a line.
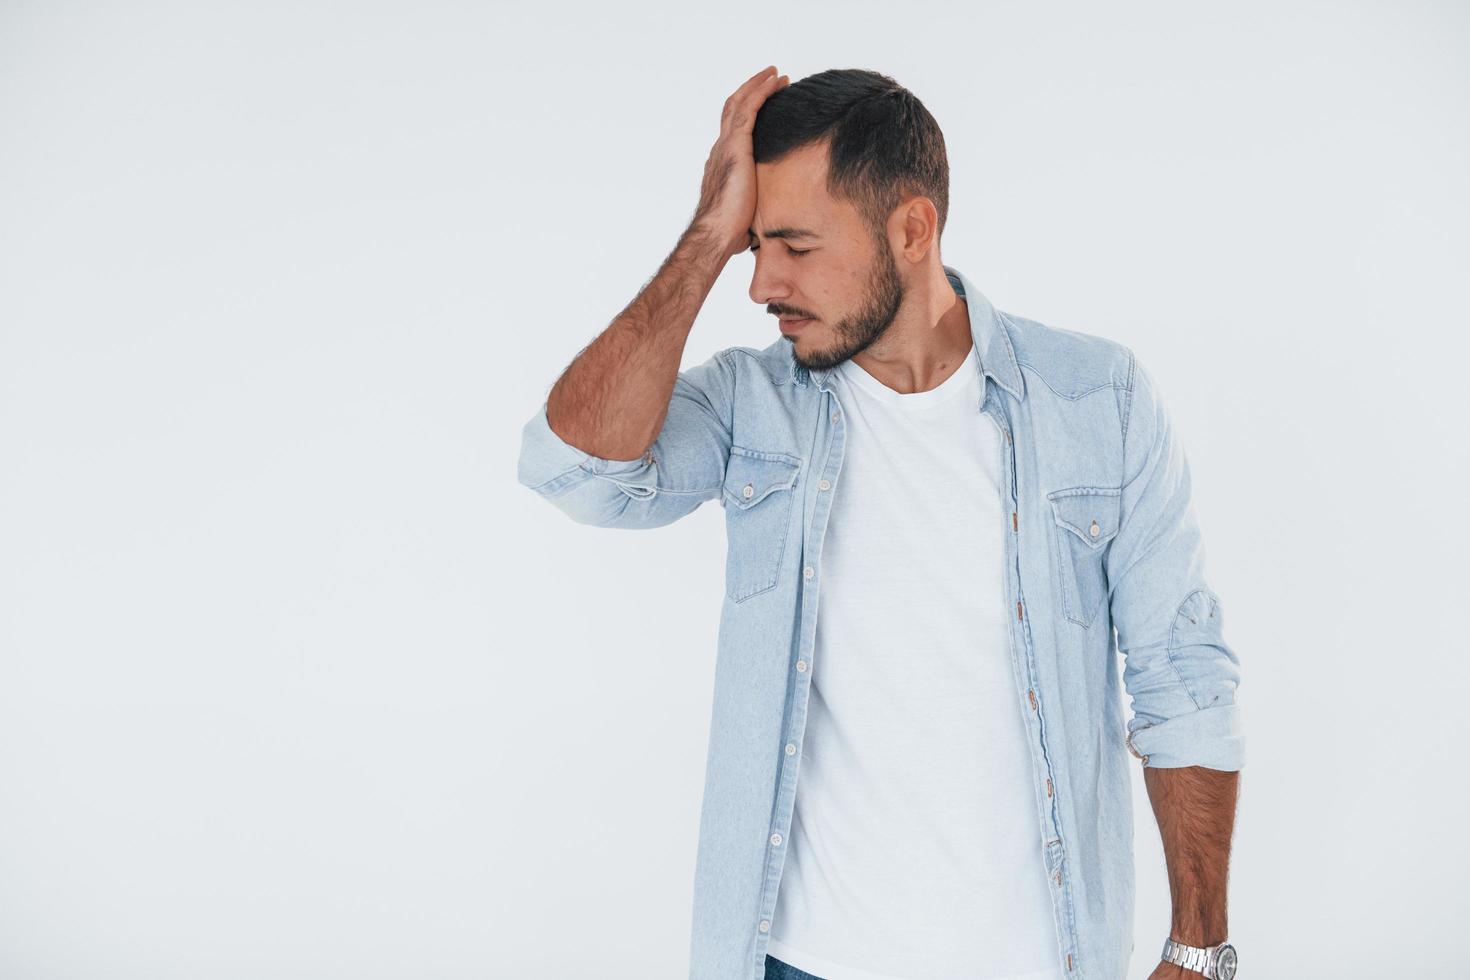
point(1215, 962)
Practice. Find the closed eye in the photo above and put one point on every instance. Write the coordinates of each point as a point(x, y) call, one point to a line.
point(789, 250)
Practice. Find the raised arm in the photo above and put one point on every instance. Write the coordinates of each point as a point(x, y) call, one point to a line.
point(624, 439)
point(612, 399)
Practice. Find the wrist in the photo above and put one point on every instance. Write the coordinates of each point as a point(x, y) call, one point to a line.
point(710, 238)
point(1190, 961)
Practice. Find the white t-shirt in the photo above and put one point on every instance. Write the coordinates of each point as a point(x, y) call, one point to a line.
point(915, 845)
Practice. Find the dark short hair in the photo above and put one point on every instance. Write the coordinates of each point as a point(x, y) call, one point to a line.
point(884, 145)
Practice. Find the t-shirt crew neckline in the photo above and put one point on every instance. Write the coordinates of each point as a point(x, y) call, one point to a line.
point(967, 372)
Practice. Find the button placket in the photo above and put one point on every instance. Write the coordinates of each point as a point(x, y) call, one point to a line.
point(1053, 844)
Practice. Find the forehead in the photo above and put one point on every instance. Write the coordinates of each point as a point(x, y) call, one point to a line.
point(792, 191)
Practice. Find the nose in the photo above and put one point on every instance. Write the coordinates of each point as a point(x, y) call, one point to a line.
point(766, 286)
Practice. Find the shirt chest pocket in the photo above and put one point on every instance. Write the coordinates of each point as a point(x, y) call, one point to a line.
point(758, 497)
point(1086, 520)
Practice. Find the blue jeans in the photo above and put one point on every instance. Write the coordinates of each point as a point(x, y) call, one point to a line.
point(780, 970)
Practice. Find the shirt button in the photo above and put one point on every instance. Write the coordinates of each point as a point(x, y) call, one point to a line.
point(790, 749)
point(835, 416)
point(748, 492)
point(808, 571)
point(1094, 530)
point(823, 485)
point(765, 925)
point(776, 839)
point(801, 666)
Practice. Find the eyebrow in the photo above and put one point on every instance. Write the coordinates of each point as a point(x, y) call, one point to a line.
point(788, 233)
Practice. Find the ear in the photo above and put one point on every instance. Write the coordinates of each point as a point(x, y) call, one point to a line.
point(913, 225)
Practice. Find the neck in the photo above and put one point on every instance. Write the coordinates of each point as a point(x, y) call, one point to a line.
point(929, 339)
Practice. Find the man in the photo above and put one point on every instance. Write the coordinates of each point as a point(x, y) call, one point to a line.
point(937, 516)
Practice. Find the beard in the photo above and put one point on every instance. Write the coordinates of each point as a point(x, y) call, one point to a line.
point(858, 330)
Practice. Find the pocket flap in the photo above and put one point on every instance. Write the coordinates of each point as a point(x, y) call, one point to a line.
point(751, 476)
point(1091, 513)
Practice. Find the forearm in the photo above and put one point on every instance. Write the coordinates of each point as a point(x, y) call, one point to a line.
point(1195, 810)
point(612, 399)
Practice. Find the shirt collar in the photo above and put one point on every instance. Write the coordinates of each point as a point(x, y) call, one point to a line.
point(997, 357)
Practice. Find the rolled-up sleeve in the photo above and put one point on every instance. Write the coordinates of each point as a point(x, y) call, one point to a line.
point(1179, 672)
point(684, 467)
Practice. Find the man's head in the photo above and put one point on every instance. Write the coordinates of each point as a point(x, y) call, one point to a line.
point(851, 178)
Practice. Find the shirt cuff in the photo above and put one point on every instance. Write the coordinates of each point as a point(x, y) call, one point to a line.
point(1210, 737)
point(545, 456)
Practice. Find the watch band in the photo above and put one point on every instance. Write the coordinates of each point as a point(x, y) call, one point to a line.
point(1201, 960)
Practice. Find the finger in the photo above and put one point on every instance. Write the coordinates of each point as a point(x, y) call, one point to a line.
point(760, 74)
point(746, 106)
point(752, 82)
point(739, 106)
point(751, 106)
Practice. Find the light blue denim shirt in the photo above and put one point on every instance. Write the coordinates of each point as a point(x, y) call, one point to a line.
point(1103, 556)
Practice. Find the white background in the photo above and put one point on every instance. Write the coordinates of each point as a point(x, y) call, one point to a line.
point(296, 680)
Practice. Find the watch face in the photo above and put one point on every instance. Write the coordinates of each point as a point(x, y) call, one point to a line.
point(1225, 965)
